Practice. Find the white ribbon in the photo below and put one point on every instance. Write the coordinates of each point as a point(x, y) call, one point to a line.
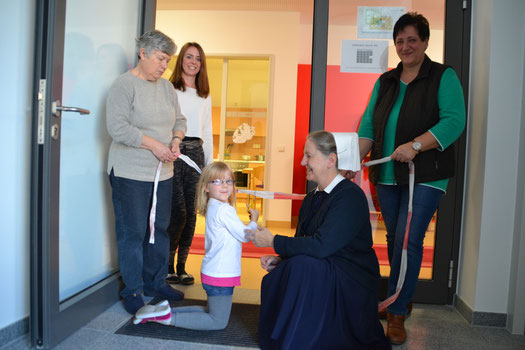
point(153, 209)
point(190, 162)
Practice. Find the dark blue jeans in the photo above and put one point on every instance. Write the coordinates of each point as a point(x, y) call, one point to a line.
point(143, 266)
point(393, 200)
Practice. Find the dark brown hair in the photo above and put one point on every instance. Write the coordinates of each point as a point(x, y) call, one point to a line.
point(201, 80)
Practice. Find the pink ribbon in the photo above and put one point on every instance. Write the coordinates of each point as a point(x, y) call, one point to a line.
point(272, 195)
point(403, 267)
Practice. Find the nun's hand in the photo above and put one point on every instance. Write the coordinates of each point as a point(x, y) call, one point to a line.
point(349, 174)
point(269, 262)
point(262, 237)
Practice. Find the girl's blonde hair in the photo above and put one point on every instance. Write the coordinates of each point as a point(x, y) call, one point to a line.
point(215, 170)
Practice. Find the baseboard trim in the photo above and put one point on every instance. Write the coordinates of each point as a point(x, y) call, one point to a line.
point(477, 318)
point(14, 331)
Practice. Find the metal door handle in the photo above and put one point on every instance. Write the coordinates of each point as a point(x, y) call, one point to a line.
point(57, 108)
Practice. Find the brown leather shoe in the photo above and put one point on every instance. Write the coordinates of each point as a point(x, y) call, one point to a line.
point(382, 314)
point(395, 330)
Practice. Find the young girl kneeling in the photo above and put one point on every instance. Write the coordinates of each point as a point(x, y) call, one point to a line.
point(221, 265)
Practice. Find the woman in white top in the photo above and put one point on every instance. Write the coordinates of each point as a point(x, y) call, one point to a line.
point(190, 80)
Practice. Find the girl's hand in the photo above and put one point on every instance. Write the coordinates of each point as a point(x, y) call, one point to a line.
point(254, 214)
point(269, 262)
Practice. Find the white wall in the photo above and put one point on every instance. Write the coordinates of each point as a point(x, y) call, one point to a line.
point(264, 33)
point(17, 28)
point(495, 111)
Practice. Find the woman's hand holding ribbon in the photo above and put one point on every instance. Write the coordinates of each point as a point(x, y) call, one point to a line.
point(404, 153)
point(164, 153)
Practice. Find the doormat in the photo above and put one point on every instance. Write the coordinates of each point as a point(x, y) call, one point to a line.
point(242, 329)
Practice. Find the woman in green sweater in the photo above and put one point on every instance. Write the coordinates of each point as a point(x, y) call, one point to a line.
point(415, 113)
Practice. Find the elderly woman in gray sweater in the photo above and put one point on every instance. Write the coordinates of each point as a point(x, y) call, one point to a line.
point(146, 124)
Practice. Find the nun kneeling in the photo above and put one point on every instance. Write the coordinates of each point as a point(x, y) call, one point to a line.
point(321, 291)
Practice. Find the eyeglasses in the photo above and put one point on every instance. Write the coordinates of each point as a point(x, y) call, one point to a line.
point(219, 182)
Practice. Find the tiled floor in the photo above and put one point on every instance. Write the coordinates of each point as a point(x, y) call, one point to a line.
point(429, 327)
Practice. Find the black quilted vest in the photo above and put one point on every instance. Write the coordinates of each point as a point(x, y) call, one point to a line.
point(419, 112)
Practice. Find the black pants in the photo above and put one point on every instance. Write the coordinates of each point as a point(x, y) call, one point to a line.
point(183, 216)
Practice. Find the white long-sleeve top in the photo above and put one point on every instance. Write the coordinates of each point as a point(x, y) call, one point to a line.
point(199, 121)
point(223, 240)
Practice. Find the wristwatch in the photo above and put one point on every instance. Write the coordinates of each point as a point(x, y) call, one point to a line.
point(416, 146)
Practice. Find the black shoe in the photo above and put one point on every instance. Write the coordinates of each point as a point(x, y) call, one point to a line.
point(165, 292)
point(186, 279)
point(172, 278)
point(133, 302)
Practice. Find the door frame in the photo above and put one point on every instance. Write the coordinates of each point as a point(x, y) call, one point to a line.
point(51, 321)
point(442, 287)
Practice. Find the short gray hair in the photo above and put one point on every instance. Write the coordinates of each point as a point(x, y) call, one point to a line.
point(153, 41)
point(324, 142)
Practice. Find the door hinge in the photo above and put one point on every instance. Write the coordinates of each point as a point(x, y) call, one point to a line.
point(41, 111)
point(450, 273)
point(464, 4)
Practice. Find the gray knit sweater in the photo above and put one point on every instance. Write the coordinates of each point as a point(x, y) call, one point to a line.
point(137, 107)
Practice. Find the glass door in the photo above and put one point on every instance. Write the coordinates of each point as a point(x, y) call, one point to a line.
point(360, 48)
point(81, 50)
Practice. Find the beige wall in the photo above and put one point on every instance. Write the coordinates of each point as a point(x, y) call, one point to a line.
point(247, 33)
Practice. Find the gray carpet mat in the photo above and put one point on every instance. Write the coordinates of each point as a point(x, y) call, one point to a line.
point(241, 329)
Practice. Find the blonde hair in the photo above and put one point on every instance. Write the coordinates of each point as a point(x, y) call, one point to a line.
point(215, 170)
